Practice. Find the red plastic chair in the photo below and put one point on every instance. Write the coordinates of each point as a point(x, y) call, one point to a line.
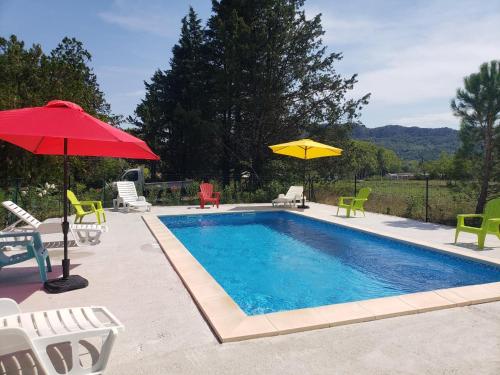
point(207, 195)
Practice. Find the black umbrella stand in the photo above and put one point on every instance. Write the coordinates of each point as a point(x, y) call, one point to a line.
point(67, 282)
point(303, 205)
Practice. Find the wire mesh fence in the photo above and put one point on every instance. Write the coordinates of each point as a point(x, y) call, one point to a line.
point(436, 201)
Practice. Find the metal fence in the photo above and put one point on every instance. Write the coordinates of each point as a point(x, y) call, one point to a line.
point(425, 200)
point(436, 201)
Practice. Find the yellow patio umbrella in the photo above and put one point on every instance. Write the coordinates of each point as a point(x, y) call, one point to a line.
point(305, 149)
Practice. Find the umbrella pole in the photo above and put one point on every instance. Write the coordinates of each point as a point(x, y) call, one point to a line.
point(66, 282)
point(65, 224)
point(303, 205)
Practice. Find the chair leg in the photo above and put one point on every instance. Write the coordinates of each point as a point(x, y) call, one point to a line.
point(103, 216)
point(49, 265)
point(41, 268)
point(456, 235)
point(348, 212)
point(98, 216)
point(338, 208)
point(480, 240)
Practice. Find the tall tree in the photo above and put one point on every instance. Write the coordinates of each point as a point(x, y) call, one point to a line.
point(478, 106)
point(257, 74)
point(274, 79)
point(32, 78)
point(172, 115)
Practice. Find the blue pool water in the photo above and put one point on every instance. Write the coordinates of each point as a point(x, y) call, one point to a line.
point(275, 261)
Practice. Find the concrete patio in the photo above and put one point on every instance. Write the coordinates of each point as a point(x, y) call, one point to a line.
point(166, 334)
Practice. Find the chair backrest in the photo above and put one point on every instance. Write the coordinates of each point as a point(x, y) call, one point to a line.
point(294, 191)
point(74, 201)
point(72, 197)
point(364, 193)
point(21, 214)
point(492, 211)
point(126, 191)
point(207, 190)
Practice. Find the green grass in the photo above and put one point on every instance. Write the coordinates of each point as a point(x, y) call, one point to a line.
point(405, 198)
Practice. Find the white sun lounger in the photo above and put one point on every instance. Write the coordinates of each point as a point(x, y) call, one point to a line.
point(43, 330)
point(293, 195)
point(127, 196)
point(82, 233)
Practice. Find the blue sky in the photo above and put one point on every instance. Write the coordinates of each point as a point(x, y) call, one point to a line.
point(411, 55)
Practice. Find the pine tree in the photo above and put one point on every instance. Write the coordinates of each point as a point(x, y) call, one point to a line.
point(274, 79)
point(257, 75)
point(172, 115)
point(478, 106)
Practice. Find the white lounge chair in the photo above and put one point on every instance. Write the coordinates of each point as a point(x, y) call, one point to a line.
point(127, 196)
point(82, 233)
point(49, 333)
point(293, 195)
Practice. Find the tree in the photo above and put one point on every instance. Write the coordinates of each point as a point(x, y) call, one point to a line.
point(172, 117)
point(32, 78)
point(273, 80)
point(478, 106)
point(442, 168)
point(258, 74)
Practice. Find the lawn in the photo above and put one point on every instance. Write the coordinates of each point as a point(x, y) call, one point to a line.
point(405, 198)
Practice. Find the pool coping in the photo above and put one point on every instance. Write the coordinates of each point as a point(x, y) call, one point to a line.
point(230, 323)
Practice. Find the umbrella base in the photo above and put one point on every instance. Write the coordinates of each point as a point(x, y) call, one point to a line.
point(302, 206)
point(62, 284)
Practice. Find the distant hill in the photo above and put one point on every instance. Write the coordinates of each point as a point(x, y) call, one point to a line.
point(411, 143)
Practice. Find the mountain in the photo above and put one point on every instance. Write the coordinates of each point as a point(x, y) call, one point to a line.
point(411, 143)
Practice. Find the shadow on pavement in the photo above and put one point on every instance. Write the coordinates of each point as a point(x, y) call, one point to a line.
point(19, 283)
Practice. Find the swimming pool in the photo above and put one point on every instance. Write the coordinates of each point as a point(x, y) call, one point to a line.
point(279, 261)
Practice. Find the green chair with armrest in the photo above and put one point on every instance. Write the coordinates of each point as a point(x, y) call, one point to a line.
point(84, 208)
point(354, 203)
point(490, 222)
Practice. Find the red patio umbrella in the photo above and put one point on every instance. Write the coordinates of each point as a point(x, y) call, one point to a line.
point(63, 128)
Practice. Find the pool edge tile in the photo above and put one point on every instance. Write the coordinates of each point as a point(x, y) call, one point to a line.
point(250, 327)
point(479, 293)
point(387, 307)
point(345, 313)
point(297, 320)
point(427, 301)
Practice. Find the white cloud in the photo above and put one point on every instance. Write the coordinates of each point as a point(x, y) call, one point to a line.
point(432, 69)
point(428, 120)
point(407, 56)
point(141, 16)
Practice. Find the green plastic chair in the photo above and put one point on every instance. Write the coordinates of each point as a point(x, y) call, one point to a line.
point(32, 242)
point(94, 207)
point(490, 222)
point(354, 203)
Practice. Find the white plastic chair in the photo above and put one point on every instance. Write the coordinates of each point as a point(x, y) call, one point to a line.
point(82, 233)
point(293, 195)
point(127, 196)
point(41, 331)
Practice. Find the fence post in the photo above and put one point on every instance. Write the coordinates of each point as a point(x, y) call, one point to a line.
point(103, 195)
point(426, 199)
point(312, 196)
point(16, 192)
